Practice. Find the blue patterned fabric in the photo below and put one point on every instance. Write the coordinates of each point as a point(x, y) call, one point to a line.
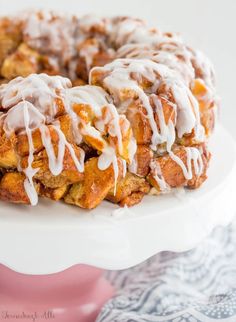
point(195, 286)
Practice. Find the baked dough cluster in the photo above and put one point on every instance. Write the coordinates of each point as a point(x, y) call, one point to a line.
point(100, 108)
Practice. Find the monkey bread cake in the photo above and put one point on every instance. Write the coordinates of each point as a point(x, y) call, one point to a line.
point(96, 109)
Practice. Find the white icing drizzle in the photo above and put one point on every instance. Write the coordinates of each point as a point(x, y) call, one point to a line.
point(204, 70)
point(127, 30)
point(107, 158)
point(167, 131)
point(157, 175)
point(87, 22)
point(39, 89)
point(88, 52)
point(51, 33)
point(63, 142)
point(14, 119)
point(28, 102)
point(122, 28)
point(146, 53)
point(174, 55)
point(29, 171)
point(193, 166)
point(59, 36)
point(124, 165)
point(193, 155)
point(118, 79)
point(55, 163)
point(133, 166)
point(135, 39)
point(98, 99)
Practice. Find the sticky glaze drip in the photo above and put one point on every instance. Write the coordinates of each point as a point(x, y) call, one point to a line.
point(59, 37)
point(29, 171)
point(123, 74)
point(107, 158)
point(29, 101)
point(145, 53)
point(158, 176)
point(193, 155)
point(174, 55)
point(39, 89)
point(194, 162)
point(107, 117)
point(51, 33)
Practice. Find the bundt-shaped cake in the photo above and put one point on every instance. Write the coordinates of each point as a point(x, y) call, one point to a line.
point(100, 108)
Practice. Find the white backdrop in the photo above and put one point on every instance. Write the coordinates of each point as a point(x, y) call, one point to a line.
point(209, 25)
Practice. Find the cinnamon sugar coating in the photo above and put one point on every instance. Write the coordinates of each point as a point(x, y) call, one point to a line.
point(95, 109)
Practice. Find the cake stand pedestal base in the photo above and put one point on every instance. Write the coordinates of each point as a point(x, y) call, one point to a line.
point(74, 295)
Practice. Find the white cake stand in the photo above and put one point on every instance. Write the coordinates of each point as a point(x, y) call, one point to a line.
point(53, 237)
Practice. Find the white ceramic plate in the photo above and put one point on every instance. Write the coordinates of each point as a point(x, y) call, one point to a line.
point(53, 236)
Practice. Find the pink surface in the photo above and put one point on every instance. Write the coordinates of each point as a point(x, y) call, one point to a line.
point(74, 295)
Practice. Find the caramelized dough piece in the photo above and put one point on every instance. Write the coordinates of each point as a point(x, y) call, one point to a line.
point(208, 118)
point(89, 193)
point(78, 82)
point(98, 75)
point(103, 57)
point(12, 188)
point(8, 157)
point(23, 143)
point(173, 173)
point(127, 135)
point(187, 140)
point(133, 199)
point(197, 181)
point(53, 194)
point(66, 126)
point(137, 115)
point(3, 81)
point(143, 157)
point(91, 53)
point(48, 66)
point(22, 62)
point(10, 37)
point(69, 174)
point(126, 187)
point(207, 105)
point(100, 139)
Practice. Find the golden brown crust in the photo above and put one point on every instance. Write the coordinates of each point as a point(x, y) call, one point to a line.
point(137, 115)
point(53, 194)
point(126, 187)
point(23, 62)
point(8, 156)
point(19, 56)
point(143, 158)
point(22, 145)
point(12, 188)
point(69, 174)
point(173, 173)
point(10, 37)
point(90, 192)
point(133, 199)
